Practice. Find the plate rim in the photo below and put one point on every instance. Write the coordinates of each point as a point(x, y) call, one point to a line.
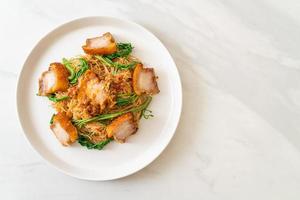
point(145, 163)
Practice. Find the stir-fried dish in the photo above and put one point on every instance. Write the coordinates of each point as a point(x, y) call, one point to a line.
point(99, 96)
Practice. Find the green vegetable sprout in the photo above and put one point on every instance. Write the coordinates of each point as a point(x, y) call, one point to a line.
point(84, 141)
point(139, 108)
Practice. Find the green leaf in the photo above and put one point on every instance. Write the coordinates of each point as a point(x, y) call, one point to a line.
point(147, 113)
point(123, 50)
point(105, 61)
point(117, 65)
point(68, 65)
point(51, 120)
point(84, 66)
point(122, 66)
point(125, 99)
point(84, 141)
point(55, 99)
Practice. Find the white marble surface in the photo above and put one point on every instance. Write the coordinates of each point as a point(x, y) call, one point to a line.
point(239, 135)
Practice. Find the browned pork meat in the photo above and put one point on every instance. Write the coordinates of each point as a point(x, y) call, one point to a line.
point(144, 80)
point(122, 127)
point(103, 45)
point(63, 129)
point(54, 80)
point(90, 87)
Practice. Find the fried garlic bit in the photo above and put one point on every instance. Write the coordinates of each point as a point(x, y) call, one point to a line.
point(54, 80)
point(63, 129)
point(103, 45)
point(122, 127)
point(144, 80)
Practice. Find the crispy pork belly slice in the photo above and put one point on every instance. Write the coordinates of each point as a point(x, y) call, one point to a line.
point(96, 91)
point(103, 45)
point(144, 80)
point(54, 80)
point(122, 127)
point(63, 129)
point(92, 88)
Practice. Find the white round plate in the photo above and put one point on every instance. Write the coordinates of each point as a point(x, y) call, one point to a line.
point(116, 160)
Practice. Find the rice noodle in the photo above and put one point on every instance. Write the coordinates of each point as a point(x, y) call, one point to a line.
point(117, 82)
